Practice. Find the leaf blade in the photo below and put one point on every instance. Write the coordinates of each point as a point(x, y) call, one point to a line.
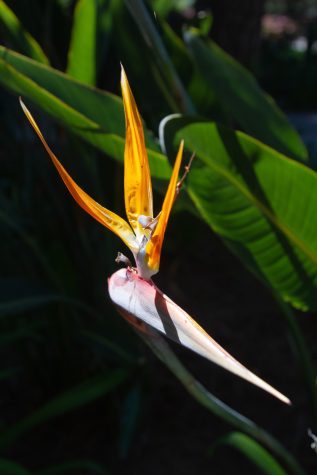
point(19, 36)
point(243, 99)
point(262, 203)
point(81, 63)
point(82, 394)
point(253, 451)
point(94, 115)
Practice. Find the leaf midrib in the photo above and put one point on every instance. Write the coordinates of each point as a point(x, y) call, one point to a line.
point(247, 194)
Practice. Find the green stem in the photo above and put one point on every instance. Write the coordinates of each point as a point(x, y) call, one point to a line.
point(213, 404)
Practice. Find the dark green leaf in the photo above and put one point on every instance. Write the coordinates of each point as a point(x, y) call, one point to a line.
point(160, 347)
point(19, 295)
point(18, 36)
point(129, 418)
point(73, 398)
point(160, 56)
point(244, 101)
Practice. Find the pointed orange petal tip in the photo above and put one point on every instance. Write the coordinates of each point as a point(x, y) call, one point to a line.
point(141, 299)
point(107, 218)
point(137, 178)
point(154, 246)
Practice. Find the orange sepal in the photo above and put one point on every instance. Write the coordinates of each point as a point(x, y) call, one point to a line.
point(137, 178)
point(107, 218)
point(154, 246)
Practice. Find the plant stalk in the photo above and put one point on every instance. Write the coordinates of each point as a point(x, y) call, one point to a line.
point(162, 350)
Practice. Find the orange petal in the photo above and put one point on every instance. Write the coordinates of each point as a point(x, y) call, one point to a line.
point(109, 219)
point(137, 178)
point(154, 246)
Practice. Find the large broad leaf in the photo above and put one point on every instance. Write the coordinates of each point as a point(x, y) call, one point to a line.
point(82, 51)
point(243, 99)
point(262, 203)
point(94, 115)
point(254, 451)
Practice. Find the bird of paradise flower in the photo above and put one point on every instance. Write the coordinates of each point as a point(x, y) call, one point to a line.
point(131, 289)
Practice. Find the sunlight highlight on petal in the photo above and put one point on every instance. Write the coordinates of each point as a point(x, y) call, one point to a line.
point(136, 297)
point(137, 178)
point(107, 218)
point(154, 246)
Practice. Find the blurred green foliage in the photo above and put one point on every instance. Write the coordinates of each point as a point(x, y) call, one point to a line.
point(59, 334)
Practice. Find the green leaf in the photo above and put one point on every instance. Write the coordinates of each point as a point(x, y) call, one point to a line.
point(145, 79)
point(253, 451)
point(204, 98)
point(104, 32)
point(21, 39)
point(92, 114)
point(23, 304)
point(161, 58)
point(85, 393)
point(262, 203)
point(164, 7)
point(110, 346)
point(82, 51)
point(20, 295)
point(243, 99)
point(8, 467)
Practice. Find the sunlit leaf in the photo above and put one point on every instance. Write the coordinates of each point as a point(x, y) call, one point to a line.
point(253, 451)
point(262, 203)
point(82, 50)
point(94, 115)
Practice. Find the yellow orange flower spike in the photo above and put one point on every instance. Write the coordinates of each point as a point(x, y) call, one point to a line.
point(137, 178)
point(132, 290)
point(144, 235)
